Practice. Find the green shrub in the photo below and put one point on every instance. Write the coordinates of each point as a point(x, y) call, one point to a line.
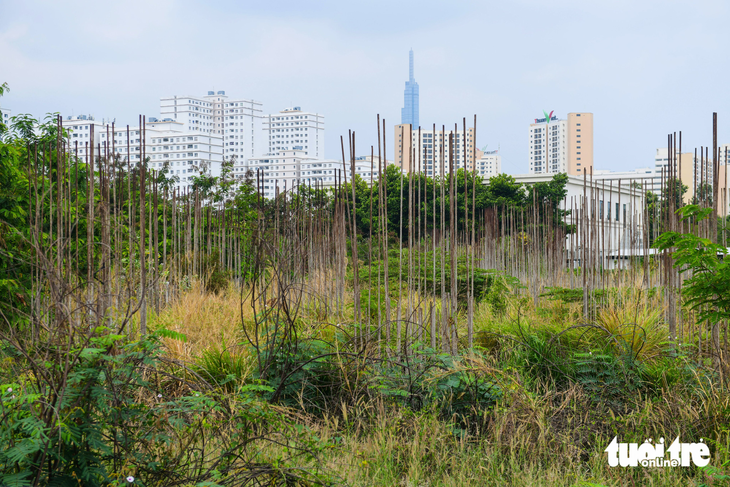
point(300, 375)
point(110, 408)
point(399, 268)
point(497, 295)
point(217, 277)
point(568, 295)
point(223, 368)
point(461, 389)
point(607, 378)
point(369, 300)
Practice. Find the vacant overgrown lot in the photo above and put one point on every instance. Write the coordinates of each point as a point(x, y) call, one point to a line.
point(414, 331)
point(534, 403)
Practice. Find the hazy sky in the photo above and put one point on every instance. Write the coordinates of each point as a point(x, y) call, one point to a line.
point(644, 68)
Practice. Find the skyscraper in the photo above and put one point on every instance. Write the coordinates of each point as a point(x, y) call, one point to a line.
point(409, 112)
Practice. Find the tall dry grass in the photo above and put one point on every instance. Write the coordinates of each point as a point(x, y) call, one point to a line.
point(533, 440)
point(534, 436)
point(209, 321)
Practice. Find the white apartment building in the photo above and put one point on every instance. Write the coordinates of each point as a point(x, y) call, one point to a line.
point(80, 134)
point(292, 129)
point(548, 150)
point(237, 121)
point(366, 167)
point(561, 146)
point(292, 168)
point(435, 147)
point(289, 168)
point(185, 153)
point(488, 163)
point(5, 115)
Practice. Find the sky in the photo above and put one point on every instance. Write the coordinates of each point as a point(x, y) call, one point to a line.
point(644, 68)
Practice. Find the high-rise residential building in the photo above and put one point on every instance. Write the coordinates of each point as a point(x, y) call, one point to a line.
point(435, 147)
point(580, 143)
point(488, 163)
point(165, 143)
point(548, 145)
point(294, 129)
point(237, 121)
point(561, 146)
point(409, 112)
point(168, 144)
point(723, 203)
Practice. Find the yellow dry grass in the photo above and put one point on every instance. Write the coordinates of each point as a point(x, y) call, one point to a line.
point(207, 320)
point(636, 321)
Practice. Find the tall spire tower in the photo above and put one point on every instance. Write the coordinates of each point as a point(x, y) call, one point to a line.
point(409, 112)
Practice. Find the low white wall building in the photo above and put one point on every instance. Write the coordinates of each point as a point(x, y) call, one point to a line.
point(613, 216)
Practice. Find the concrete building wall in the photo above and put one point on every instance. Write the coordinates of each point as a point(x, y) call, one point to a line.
point(580, 143)
point(80, 138)
point(403, 146)
point(167, 145)
point(723, 204)
point(618, 214)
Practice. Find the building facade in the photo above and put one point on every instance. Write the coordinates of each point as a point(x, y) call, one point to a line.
point(561, 146)
point(237, 121)
point(409, 114)
point(580, 143)
point(291, 168)
point(293, 129)
point(548, 145)
point(617, 213)
point(436, 148)
point(167, 145)
point(84, 131)
point(488, 163)
point(5, 114)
